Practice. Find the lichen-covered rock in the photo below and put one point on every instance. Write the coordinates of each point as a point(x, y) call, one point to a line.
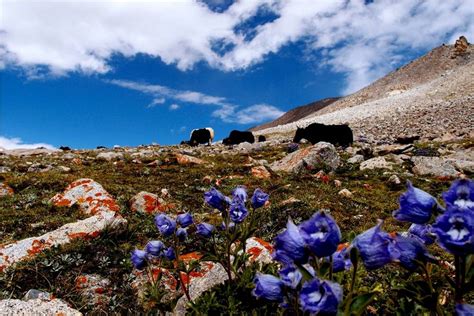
point(85, 229)
point(209, 275)
point(435, 166)
point(260, 172)
point(90, 196)
point(259, 250)
point(33, 294)
point(92, 199)
point(320, 155)
point(376, 163)
point(95, 289)
point(5, 190)
point(36, 307)
point(148, 203)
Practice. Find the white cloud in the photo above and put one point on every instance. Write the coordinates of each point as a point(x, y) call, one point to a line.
point(155, 102)
point(256, 113)
point(174, 106)
point(361, 41)
point(17, 143)
point(226, 111)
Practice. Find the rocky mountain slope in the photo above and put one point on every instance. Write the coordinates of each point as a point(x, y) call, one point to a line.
point(297, 113)
point(430, 97)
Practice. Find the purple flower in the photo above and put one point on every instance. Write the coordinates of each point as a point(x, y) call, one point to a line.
point(320, 297)
point(455, 231)
point(409, 251)
point(170, 254)
point(341, 260)
point(268, 287)
point(239, 194)
point(321, 234)
point(464, 309)
point(139, 259)
point(184, 220)
point(460, 194)
point(223, 226)
point(290, 276)
point(154, 248)
point(259, 198)
point(216, 199)
point(290, 246)
point(416, 206)
point(204, 229)
point(238, 212)
point(373, 247)
point(165, 225)
point(423, 232)
point(181, 233)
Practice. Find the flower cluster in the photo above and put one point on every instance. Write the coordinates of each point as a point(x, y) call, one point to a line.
point(300, 249)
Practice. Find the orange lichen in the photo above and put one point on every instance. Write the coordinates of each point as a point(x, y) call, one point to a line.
point(342, 246)
point(151, 203)
point(190, 256)
point(254, 252)
point(264, 243)
point(36, 247)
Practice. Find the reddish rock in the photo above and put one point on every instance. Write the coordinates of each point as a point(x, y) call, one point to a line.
point(148, 203)
point(95, 290)
point(260, 172)
point(188, 160)
point(90, 196)
point(5, 190)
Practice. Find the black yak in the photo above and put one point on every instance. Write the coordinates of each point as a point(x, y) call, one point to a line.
point(334, 134)
point(236, 137)
point(201, 136)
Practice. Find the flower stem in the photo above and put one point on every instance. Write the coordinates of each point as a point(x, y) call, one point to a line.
point(177, 253)
point(331, 260)
point(460, 264)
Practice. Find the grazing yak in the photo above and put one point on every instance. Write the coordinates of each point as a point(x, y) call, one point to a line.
point(201, 136)
point(261, 139)
point(334, 134)
point(236, 137)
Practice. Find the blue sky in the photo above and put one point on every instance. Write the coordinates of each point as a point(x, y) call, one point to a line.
point(90, 73)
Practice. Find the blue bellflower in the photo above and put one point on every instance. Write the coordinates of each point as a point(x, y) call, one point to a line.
point(320, 297)
point(460, 194)
point(165, 225)
point(423, 232)
point(239, 194)
point(321, 234)
point(170, 254)
point(409, 251)
point(216, 199)
point(290, 276)
point(455, 231)
point(182, 234)
point(154, 248)
point(268, 287)
point(204, 229)
point(464, 310)
point(259, 198)
point(416, 206)
point(341, 260)
point(184, 220)
point(373, 247)
point(238, 212)
point(290, 246)
point(139, 259)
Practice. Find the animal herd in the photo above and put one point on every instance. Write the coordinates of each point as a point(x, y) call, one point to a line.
point(335, 134)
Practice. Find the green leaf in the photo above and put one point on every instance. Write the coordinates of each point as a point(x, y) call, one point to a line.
point(360, 302)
